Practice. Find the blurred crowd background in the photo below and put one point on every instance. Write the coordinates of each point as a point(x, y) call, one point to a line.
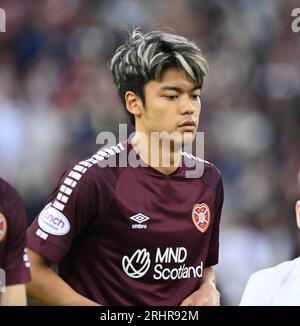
point(57, 94)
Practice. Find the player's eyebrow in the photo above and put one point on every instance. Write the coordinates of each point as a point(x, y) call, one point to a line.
point(178, 89)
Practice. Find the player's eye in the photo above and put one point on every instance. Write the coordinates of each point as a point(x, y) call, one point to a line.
point(195, 97)
point(171, 97)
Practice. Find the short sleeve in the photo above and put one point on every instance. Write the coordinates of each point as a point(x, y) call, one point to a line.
point(70, 211)
point(213, 251)
point(16, 264)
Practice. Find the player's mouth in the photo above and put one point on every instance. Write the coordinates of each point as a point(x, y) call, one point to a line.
point(189, 125)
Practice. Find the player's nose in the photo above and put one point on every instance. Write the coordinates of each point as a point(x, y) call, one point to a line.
point(187, 106)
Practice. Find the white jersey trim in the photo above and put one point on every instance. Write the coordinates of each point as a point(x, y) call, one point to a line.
point(193, 157)
point(78, 171)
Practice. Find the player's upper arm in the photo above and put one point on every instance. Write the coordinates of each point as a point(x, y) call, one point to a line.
point(71, 210)
point(36, 260)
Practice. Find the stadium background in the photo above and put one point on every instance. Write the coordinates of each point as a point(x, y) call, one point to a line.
point(56, 95)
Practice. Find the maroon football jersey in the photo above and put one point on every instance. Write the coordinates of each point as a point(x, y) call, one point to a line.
point(131, 235)
point(13, 224)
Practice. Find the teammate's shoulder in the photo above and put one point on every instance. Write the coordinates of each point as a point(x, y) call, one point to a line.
point(274, 272)
point(11, 205)
point(259, 288)
point(285, 267)
point(4, 186)
point(8, 191)
point(262, 275)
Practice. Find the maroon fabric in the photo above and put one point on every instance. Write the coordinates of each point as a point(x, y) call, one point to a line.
point(13, 244)
point(94, 256)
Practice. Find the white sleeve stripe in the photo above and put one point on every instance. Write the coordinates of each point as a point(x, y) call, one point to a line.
point(64, 199)
point(75, 175)
point(68, 181)
point(41, 234)
point(58, 205)
point(84, 163)
point(92, 160)
point(68, 191)
point(74, 183)
point(79, 168)
point(120, 145)
point(109, 151)
point(65, 190)
point(102, 153)
point(98, 158)
point(115, 148)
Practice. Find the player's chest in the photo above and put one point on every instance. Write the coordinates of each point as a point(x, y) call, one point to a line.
point(161, 215)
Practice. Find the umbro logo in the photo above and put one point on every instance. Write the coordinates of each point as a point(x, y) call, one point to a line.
point(140, 219)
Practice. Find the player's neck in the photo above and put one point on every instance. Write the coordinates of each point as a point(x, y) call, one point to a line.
point(162, 157)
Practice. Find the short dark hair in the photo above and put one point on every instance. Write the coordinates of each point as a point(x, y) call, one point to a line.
point(145, 57)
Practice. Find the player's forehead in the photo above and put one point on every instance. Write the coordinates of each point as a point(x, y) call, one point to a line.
point(175, 79)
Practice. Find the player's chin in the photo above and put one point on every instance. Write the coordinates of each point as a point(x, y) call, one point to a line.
point(183, 139)
point(188, 137)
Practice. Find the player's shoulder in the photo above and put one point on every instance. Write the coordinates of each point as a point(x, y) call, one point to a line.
point(99, 164)
point(210, 175)
point(273, 273)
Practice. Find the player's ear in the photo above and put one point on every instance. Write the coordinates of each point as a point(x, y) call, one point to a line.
point(297, 208)
point(133, 103)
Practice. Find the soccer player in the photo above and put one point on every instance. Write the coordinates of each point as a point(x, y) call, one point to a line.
point(14, 263)
point(275, 286)
point(144, 235)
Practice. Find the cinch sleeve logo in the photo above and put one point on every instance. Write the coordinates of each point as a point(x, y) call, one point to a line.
point(53, 222)
point(201, 216)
